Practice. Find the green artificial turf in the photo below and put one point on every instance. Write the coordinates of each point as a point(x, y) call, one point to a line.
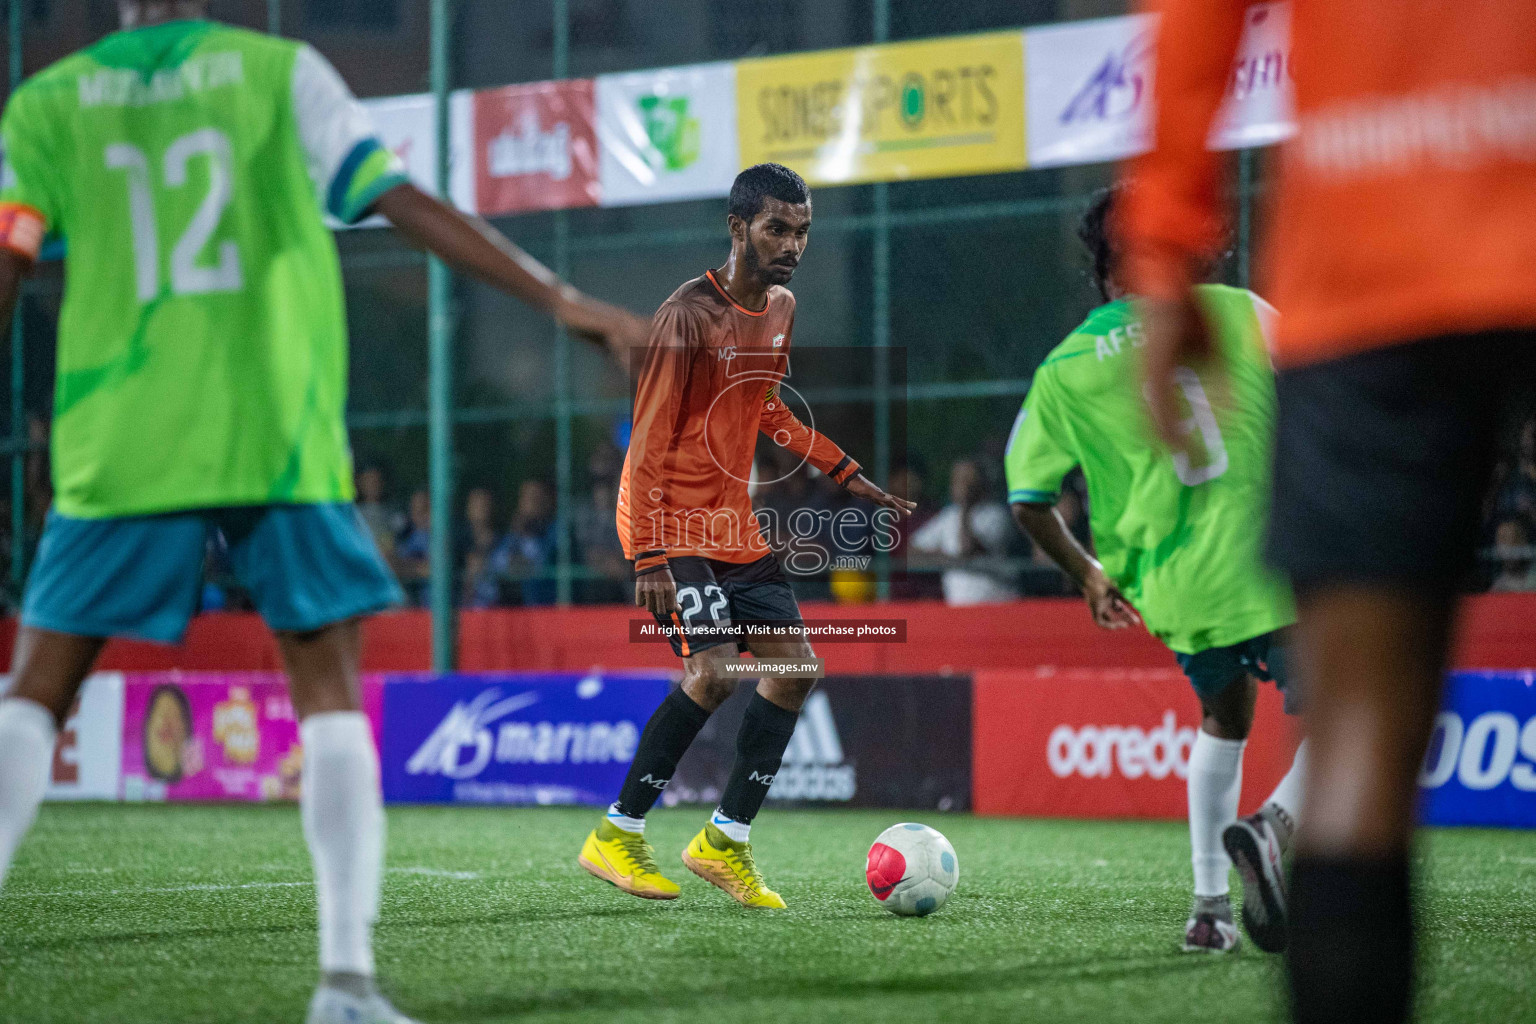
point(129, 914)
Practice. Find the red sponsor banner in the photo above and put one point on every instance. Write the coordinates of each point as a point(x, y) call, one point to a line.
point(536, 147)
point(1105, 743)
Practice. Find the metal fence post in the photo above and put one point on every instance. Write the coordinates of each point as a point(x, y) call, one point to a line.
point(1245, 218)
point(880, 268)
point(18, 371)
point(440, 374)
point(564, 456)
point(274, 17)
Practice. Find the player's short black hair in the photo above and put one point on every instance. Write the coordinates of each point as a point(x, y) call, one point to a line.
point(762, 181)
point(1094, 231)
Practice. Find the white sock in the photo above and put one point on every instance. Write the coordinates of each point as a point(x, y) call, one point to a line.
point(623, 821)
point(27, 736)
point(730, 826)
point(1215, 783)
point(1284, 804)
point(342, 808)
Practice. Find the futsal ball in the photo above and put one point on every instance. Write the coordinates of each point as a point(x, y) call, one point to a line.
point(912, 870)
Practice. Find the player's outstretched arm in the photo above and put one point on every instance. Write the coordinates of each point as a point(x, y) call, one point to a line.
point(1046, 528)
point(474, 247)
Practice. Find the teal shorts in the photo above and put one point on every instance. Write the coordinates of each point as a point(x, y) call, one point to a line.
point(306, 566)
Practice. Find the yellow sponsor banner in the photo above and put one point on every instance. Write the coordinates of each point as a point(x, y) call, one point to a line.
point(924, 109)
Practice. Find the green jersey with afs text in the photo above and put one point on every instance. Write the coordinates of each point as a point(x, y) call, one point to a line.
point(202, 349)
point(1181, 533)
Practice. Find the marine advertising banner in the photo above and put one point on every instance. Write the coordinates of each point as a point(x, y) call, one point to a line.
point(535, 147)
point(923, 109)
point(667, 135)
point(210, 736)
point(516, 738)
point(1480, 768)
point(861, 741)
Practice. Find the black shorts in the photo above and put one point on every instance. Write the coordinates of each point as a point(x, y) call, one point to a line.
point(1212, 670)
point(1383, 459)
point(715, 599)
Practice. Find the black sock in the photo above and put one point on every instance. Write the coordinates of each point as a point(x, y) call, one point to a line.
point(666, 738)
point(765, 732)
point(1351, 941)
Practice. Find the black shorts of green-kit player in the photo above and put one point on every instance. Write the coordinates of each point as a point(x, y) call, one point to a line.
point(720, 602)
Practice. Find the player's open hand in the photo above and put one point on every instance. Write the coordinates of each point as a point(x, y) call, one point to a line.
point(657, 592)
point(1110, 608)
point(625, 334)
point(860, 487)
point(1177, 335)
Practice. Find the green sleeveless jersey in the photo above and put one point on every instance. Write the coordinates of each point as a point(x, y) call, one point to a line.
point(1181, 534)
point(202, 355)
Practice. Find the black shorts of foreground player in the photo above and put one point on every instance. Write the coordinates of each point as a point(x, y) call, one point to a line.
point(718, 351)
point(725, 603)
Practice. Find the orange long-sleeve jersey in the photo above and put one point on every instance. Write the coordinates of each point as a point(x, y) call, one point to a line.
point(709, 385)
point(1407, 197)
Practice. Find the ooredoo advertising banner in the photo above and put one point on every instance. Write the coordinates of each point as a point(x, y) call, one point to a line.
point(535, 147)
point(210, 736)
point(861, 741)
point(1103, 743)
point(1480, 768)
point(667, 135)
point(528, 738)
point(884, 113)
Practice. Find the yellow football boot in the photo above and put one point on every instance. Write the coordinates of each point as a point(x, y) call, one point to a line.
point(728, 865)
point(626, 860)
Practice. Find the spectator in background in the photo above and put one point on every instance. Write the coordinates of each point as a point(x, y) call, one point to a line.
point(383, 520)
point(1516, 495)
point(1517, 572)
point(484, 552)
point(413, 547)
point(532, 542)
point(971, 536)
point(907, 482)
point(597, 545)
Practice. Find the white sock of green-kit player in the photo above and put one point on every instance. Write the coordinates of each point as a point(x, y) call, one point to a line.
point(1215, 783)
point(27, 735)
point(342, 809)
point(1282, 808)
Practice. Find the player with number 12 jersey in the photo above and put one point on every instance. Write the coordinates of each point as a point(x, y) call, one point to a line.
point(202, 383)
point(1178, 538)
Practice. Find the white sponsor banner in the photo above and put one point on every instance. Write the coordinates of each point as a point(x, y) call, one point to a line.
point(1260, 107)
point(667, 135)
point(1089, 88)
point(88, 758)
point(407, 126)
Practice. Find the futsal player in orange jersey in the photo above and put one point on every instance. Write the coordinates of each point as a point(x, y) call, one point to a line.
point(718, 351)
point(1402, 259)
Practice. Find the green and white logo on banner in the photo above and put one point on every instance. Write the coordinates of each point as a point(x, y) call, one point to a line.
point(674, 133)
point(667, 135)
